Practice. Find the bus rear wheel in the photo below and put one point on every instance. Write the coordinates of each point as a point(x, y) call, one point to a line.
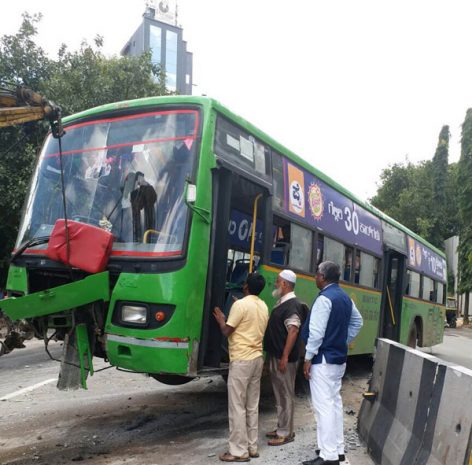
point(413, 336)
point(172, 380)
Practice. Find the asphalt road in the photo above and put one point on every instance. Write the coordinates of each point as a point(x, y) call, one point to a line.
point(456, 348)
point(126, 418)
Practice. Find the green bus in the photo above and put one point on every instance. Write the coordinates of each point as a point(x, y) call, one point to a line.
point(195, 198)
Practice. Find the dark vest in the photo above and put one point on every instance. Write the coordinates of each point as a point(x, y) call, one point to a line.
point(276, 332)
point(334, 346)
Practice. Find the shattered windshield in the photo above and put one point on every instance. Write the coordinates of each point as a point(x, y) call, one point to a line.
point(126, 175)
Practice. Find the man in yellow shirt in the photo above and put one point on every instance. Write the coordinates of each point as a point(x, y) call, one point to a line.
point(245, 328)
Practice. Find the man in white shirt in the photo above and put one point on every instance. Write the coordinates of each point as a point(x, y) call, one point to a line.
point(334, 323)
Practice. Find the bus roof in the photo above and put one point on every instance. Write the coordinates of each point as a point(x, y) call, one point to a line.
point(209, 103)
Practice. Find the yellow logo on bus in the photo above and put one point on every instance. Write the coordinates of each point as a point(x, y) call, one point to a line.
point(315, 201)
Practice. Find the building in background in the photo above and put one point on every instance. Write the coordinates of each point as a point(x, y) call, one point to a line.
point(160, 33)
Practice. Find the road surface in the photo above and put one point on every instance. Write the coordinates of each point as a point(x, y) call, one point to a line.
point(132, 419)
point(456, 348)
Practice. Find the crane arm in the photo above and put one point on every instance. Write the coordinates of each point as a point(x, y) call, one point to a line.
point(23, 105)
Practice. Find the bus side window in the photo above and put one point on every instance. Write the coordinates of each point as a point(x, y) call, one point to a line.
point(281, 242)
point(301, 246)
point(357, 267)
point(347, 263)
point(319, 250)
point(440, 293)
point(407, 283)
point(368, 269)
point(428, 288)
point(414, 284)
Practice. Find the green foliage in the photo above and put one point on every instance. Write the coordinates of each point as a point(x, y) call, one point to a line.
point(422, 196)
point(464, 190)
point(85, 78)
point(76, 81)
point(405, 194)
point(439, 175)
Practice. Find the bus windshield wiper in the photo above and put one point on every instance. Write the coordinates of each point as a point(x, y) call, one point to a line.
point(31, 243)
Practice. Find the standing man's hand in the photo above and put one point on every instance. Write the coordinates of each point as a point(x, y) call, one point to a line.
point(219, 316)
point(307, 368)
point(282, 366)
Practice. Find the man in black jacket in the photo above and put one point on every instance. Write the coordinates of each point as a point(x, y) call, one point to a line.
point(281, 345)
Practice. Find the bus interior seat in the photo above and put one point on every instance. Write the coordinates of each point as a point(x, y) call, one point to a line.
point(277, 256)
point(240, 271)
point(279, 253)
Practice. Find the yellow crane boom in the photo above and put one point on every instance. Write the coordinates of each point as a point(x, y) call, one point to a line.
point(22, 105)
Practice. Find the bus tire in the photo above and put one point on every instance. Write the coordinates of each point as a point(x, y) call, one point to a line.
point(413, 336)
point(172, 380)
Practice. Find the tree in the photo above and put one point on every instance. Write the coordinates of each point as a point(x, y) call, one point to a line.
point(439, 177)
point(76, 81)
point(85, 78)
point(405, 194)
point(423, 196)
point(464, 190)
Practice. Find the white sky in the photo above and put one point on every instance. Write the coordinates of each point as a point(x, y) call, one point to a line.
point(350, 86)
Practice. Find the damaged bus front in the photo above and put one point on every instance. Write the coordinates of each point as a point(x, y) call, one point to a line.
point(122, 171)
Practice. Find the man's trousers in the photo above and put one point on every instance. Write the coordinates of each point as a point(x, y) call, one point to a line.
point(283, 385)
point(244, 387)
point(325, 387)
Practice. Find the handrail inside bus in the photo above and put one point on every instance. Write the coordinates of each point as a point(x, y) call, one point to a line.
point(391, 306)
point(253, 238)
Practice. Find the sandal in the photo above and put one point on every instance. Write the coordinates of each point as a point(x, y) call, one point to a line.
point(254, 455)
point(227, 457)
point(272, 434)
point(281, 440)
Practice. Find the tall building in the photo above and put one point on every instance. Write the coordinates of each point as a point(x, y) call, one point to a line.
point(160, 33)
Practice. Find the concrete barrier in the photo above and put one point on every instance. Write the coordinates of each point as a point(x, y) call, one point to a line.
point(422, 411)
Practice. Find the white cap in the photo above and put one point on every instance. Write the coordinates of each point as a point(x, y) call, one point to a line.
point(288, 275)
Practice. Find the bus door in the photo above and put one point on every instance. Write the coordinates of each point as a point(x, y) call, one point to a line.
point(393, 277)
point(235, 199)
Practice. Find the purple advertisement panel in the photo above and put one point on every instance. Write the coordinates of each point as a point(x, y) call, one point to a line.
point(310, 200)
point(424, 260)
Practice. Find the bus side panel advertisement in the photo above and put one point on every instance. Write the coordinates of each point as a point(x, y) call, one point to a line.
point(424, 260)
point(313, 202)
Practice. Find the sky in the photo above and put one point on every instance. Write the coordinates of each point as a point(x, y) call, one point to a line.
point(351, 87)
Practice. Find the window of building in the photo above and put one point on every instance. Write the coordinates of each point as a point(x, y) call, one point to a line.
point(171, 60)
point(428, 288)
point(155, 43)
point(301, 245)
point(278, 181)
point(413, 284)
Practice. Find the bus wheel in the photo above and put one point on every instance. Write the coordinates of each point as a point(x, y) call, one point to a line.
point(172, 380)
point(413, 336)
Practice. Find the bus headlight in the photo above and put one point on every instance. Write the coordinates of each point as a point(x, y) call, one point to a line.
point(134, 314)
